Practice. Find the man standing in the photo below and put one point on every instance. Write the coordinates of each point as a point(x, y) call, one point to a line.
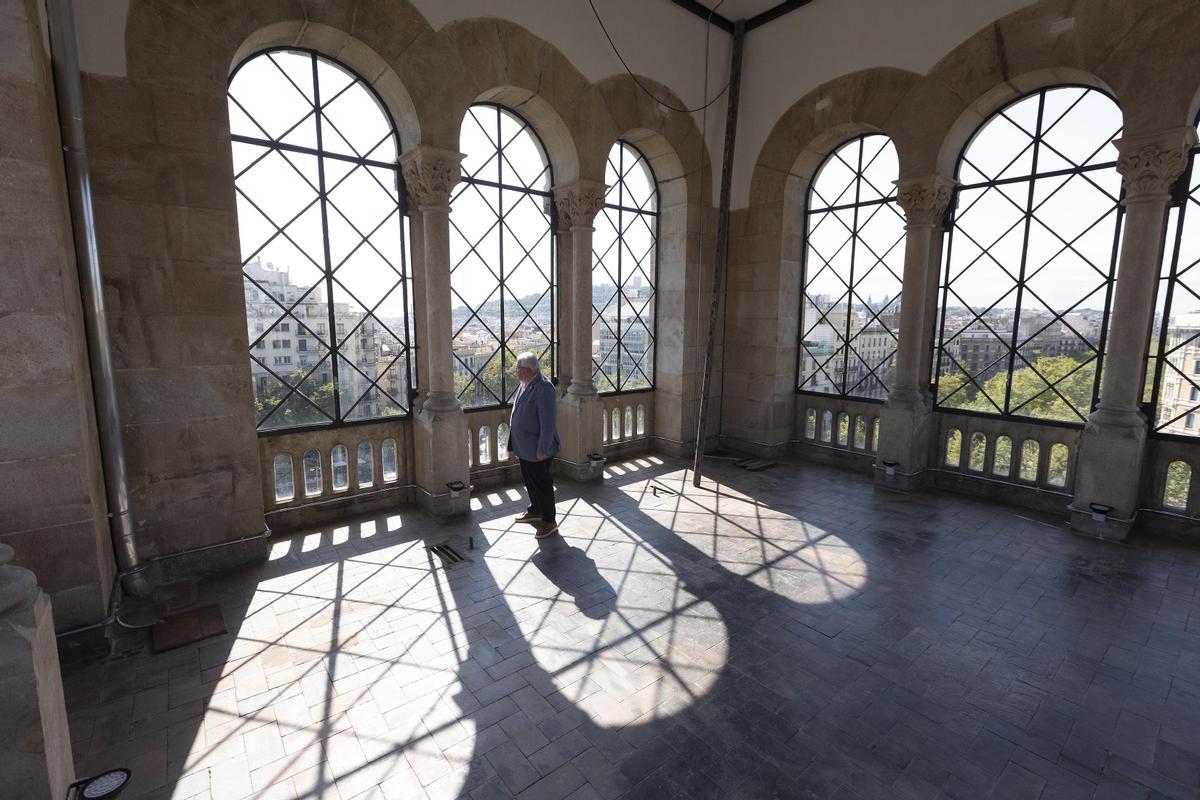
point(533, 436)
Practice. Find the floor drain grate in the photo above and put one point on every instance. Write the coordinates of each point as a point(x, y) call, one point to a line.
point(447, 553)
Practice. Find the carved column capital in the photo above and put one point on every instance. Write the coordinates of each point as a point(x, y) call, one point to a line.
point(924, 200)
point(430, 174)
point(1151, 164)
point(578, 203)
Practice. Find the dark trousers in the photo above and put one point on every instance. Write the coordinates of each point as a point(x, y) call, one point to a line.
point(540, 486)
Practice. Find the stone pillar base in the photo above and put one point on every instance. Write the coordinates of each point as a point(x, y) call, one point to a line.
point(907, 431)
point(1107, 528)
point(579, 417)
point(1108, 478)
point(590, 472)
point(440, 444)
point(35, 744)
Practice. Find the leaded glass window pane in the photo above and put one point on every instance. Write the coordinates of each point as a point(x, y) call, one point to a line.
point(624, 274)
point(1173, 373)
point(1030, 259)
point(322, 242)
point(502, 256)
point(853, 263)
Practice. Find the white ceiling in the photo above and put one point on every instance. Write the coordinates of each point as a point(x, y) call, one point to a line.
point(740, 9)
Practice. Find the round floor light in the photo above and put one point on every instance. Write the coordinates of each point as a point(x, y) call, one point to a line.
point(104, 786)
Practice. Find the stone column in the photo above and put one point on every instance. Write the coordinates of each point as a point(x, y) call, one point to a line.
point(35, 744)
point(440, 429)
point(1114, 438)
point(579, 409)
point(907, 426)
point(562, 305)
point(416, 265)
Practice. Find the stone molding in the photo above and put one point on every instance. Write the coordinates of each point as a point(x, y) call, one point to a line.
point(578, 203)
point(1152, 163)
point(430, 175)
point(924, 200)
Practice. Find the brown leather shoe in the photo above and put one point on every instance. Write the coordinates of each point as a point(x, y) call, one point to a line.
point(546, 529)
point(530, 517)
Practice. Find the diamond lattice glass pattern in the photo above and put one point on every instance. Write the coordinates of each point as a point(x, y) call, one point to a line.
point(322, 241)
point(1175, 347)
point(624, 274)
point(1030, 259)
point(854, 260)
point(502, 256)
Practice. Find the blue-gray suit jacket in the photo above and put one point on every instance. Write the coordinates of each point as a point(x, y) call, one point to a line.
point(534, 425)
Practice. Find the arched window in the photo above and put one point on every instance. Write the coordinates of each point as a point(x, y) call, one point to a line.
point(485, 445)
point(322, 241)
point(285, 484)
point(1059, 466)
point(978, 452)
point(365, 465)
point(1002, 460)
point(501, 255)
point(387, 453)
point(502, 442)
point(853, 263)
point(312, 473)
point(953, 454)
point(1030, 259)
point(339, 461)
point(1030, 452)
point(624, 258)
point(1174, 363)
point(1177, 486)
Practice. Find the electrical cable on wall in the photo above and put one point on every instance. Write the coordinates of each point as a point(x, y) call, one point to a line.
point(638, 80)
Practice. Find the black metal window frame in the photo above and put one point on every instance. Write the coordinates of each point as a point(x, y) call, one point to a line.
point(953, 213)
point(887, 199)
point(618, 241)
point(1182, 198)
point(333, 345)
point(468, 180)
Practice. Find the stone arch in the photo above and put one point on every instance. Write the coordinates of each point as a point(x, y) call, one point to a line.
point(501, 62)
point(355, 54)
point(629, 113)
point(959, 134)
point(862, 102)
point(545, 120)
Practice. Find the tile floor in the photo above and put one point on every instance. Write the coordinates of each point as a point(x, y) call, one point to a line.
point(790, 633)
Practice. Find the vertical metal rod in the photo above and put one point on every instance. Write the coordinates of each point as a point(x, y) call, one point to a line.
point(64, 60)
point(722, 249)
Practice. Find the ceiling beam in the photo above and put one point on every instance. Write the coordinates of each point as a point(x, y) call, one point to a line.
point(706, 14)
point(775, 12)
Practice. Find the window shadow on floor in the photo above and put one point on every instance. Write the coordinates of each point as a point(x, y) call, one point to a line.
point(674, 642)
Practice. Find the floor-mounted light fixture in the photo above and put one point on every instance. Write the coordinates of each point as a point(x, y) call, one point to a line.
point(104, 786)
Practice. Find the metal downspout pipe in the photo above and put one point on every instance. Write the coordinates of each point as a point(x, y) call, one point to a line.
point(64, 59)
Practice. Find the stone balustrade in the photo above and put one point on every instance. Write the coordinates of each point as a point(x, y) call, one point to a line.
point(1171, 487)
point(312, 476)
point(837, 430)
point(627, 422)
point(1027, 462)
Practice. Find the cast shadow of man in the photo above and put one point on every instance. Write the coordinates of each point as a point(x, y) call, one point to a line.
point(574, 572)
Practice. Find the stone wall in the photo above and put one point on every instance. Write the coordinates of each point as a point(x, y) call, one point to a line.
point(52, 505)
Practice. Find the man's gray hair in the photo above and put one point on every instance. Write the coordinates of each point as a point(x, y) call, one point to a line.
point(529, 360)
